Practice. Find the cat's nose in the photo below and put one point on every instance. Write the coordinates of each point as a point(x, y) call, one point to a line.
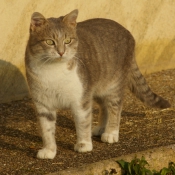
point(61, 53)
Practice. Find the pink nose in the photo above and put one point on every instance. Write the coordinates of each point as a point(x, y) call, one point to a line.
point(61, 53)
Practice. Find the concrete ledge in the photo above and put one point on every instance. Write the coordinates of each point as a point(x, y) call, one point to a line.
point(157, 159)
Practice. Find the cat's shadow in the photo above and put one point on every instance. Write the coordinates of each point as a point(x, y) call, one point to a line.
point(29, 150)
point(13, 85)
point(65, 122)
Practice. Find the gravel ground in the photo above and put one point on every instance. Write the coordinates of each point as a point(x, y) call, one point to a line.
point(141, 128)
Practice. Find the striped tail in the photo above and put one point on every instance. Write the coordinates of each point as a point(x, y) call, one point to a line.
point(139, 87)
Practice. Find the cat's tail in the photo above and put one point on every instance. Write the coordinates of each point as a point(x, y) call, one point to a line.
point(138, 86)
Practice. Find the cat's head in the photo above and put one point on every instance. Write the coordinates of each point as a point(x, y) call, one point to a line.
point(53, 38)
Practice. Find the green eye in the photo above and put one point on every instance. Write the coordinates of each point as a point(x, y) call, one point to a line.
point(67, 40)
point(50, 42)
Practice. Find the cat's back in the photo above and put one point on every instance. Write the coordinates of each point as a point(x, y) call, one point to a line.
point(104, 34)
point(102, 27)
point(104, 46)
point(99, 23)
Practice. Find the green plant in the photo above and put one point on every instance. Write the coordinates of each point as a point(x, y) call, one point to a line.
point(137, 167)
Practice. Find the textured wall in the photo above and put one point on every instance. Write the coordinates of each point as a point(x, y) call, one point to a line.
point(151, 23)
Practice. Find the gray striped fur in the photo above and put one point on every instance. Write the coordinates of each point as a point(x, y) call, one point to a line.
point(69, 64)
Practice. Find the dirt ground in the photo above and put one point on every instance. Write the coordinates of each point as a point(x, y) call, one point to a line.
point(141, 128)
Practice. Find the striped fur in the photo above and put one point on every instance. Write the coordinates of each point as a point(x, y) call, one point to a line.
point(69, 64)
point(139, 87)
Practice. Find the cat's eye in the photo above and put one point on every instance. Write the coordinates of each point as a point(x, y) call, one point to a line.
point(67, 40)
point(50, 42)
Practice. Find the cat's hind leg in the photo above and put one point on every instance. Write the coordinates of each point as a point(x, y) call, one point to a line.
point(102, 118)
point(83, 117)
point(113, 105)
point(47, 120)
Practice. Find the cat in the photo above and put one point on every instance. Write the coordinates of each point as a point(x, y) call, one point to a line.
point(70, 64)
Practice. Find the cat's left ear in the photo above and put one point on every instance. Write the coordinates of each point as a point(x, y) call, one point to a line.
point(37, 21)
point(70, 19)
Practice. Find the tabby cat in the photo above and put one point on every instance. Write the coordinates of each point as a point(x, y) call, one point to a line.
point(69, 64)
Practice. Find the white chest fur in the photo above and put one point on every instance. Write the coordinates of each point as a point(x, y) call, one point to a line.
point(60, 87)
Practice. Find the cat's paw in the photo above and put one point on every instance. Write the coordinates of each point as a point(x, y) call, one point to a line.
point(110, 137)
point(46, 153)
point(97, 131)
point(83, 147)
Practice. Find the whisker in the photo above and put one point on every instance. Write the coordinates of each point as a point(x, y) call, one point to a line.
point(47, 60)
point(43, 60)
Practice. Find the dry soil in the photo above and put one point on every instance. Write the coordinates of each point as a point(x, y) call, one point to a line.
point(141, 128)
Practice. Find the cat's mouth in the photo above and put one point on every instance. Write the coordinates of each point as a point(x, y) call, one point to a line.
point(59, 58)
point(62, 58)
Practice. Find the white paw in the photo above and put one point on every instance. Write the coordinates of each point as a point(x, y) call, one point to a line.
point(97, 131)
point(46, 153)
point(110, 138)
point(83, 147)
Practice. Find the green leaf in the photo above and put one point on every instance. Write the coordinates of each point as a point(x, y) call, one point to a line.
point(129, 168)
point(171, 166)
point(122, 163)
point(143, 162)
point(137, 167)
point(148, 172)
point(164, 171)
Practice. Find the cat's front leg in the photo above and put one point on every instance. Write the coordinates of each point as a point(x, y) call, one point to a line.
point(47, 120)
point(83, 129)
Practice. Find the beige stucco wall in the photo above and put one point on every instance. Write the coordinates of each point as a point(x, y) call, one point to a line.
point(152, 24)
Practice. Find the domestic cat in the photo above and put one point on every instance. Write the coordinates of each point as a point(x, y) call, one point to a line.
point(69, 64)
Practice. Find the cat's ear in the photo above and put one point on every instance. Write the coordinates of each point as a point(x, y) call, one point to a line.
point(37, 20)
point(70, 19)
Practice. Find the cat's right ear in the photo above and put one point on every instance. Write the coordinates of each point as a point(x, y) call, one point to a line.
point(37, 20)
